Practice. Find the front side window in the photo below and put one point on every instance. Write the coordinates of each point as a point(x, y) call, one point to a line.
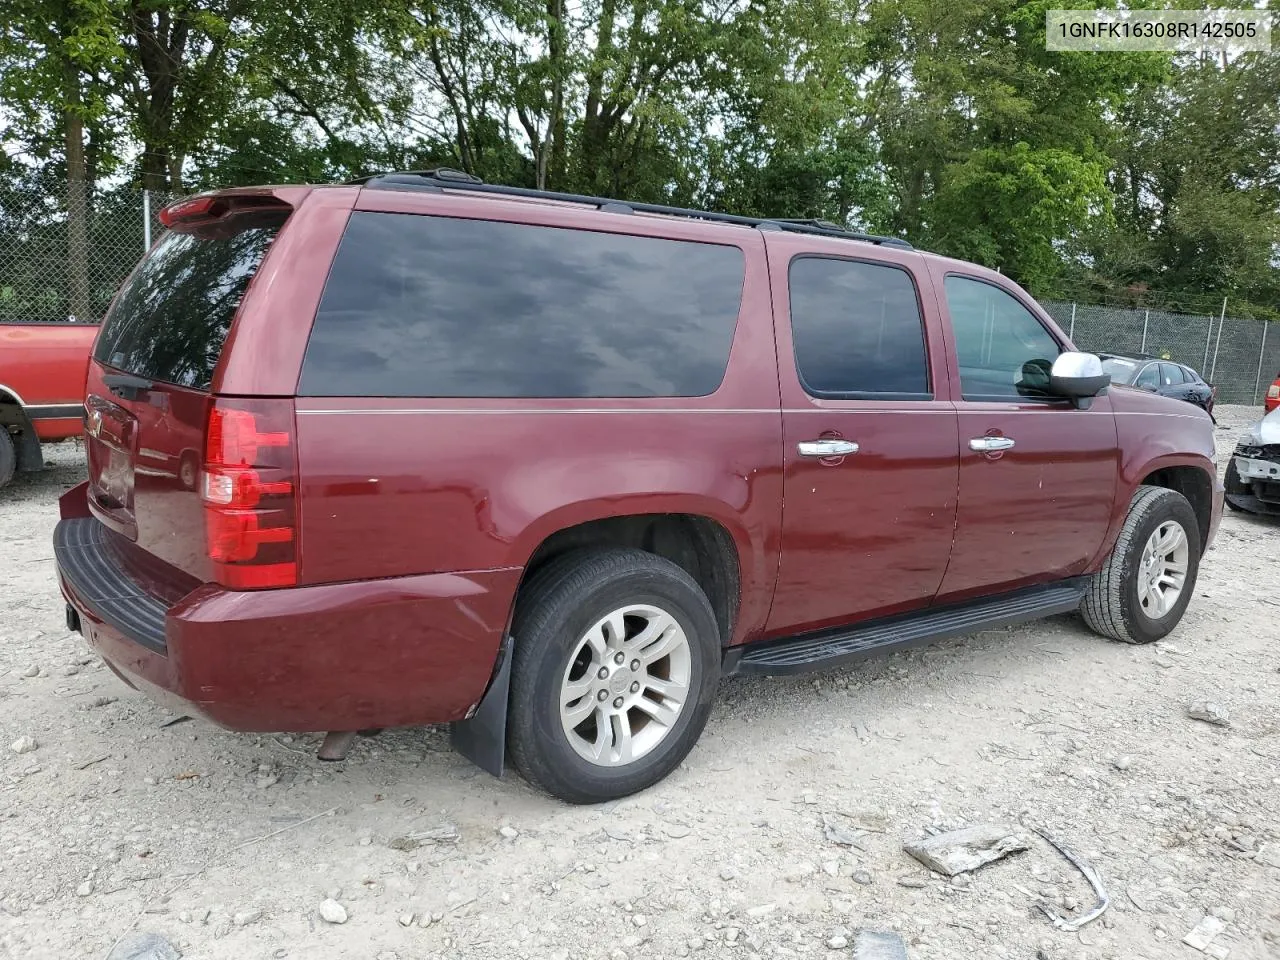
point(421, 306)
point(857, 330)
point(1003, 350)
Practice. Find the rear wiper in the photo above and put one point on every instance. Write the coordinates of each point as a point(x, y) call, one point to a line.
point(126, 385)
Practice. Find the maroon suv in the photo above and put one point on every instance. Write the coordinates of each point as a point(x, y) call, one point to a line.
point(423, 450)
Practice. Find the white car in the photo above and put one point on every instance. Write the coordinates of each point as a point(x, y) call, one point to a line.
point(1253, 475)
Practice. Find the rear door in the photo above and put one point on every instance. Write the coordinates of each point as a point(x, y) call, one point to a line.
point(1038, 476)
point(151, 375)
point(870, 450)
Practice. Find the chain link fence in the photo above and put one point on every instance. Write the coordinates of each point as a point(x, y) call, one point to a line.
point(47, 274)
point(1239, 356)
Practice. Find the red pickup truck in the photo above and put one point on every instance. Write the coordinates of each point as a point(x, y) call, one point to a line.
point(428, 450)
point(42, 377)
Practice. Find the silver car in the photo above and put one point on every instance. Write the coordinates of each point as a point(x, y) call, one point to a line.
point(1253, 475)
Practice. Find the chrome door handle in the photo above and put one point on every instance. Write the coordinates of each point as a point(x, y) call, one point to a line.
point(990, 444)
point(826, 448)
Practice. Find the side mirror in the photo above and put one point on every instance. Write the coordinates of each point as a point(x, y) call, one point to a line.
point(1078, 377)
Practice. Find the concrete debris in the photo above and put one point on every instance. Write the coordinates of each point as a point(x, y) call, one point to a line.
point(331, 911)
point(24, 745)
point(144, 946)
point(1209, 711)
point(1269, 855)
point(879, 945)
point(839, 829)
point(959, 851)
point(1203, 933)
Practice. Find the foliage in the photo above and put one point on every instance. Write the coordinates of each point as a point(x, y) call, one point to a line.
point(949, 124)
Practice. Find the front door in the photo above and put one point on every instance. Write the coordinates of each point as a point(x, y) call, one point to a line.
point(870, 448)
point(1038, 477)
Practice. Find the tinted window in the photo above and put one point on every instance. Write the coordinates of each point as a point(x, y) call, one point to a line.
point(421, 306)
point(1171, 374)
point(1003, 350)
point(173, 314)
point(1149, 378)
point(857, 328)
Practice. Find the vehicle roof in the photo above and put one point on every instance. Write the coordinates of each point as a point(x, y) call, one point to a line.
point(463, 185)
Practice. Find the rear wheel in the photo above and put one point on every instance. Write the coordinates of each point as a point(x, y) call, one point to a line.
point(615, 666)
point(8, 456)
point(1144, 587)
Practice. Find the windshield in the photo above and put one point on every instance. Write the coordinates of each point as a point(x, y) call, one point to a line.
point(1121, 370)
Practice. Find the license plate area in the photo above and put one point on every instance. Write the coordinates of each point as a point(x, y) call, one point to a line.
point(111, 439)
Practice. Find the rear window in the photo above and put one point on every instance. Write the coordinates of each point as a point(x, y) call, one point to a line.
point(419, 306)
point(172, 316)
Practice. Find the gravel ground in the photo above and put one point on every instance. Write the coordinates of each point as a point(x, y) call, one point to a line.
point(230, 845)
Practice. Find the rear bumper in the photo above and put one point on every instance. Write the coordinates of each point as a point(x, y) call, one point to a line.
point(346, 656)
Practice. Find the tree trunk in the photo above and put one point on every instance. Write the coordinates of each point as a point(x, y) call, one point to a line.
point(78, 304)
point(155, 167)
point(175, 173)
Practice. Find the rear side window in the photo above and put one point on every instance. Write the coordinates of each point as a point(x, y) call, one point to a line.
point(857, 329)
point(172, 316)
point(1172, 375)
point(419, 306)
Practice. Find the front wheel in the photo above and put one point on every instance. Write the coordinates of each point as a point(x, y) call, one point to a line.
point(1144, 587)
point(615, 666)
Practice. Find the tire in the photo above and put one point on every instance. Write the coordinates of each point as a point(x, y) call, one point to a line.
point(1112, 605)
point(8, 456)
point(1233, 484)
point(571, 597)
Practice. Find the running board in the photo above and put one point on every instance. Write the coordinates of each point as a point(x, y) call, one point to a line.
point(829, 648)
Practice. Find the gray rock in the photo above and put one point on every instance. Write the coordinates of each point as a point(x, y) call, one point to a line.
point(640, 920)
point(406, 919)
point(878, 945)
point(728, 873)
point(967, 849)
point(508, 832)
point(144, 946)
point(1124, 763)
point(838, 942)
point(32, 671)
point(862, 877)
point(331, 911)
point(1209, 711)
point(84, 889)
point(246, 917)
point(24, 745)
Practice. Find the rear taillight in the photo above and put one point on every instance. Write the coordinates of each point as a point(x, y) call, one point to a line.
point(249, 489)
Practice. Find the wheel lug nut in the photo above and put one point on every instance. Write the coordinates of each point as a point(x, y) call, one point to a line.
point(604, 695)
point(604, 673)
point(635, 666)
point(635, 688)
point(617, 703)
point(619, 658)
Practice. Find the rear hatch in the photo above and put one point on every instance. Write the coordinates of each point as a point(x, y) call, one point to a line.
point(149, 403)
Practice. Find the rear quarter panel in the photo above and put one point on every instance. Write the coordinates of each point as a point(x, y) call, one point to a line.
point(395, 487)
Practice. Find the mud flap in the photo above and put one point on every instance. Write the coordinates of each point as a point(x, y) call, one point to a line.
point(482, 737)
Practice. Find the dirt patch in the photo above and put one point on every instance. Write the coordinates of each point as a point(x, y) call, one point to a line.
point(120, 819)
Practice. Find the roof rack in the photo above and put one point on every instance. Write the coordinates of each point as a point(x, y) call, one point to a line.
point(443, 178)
